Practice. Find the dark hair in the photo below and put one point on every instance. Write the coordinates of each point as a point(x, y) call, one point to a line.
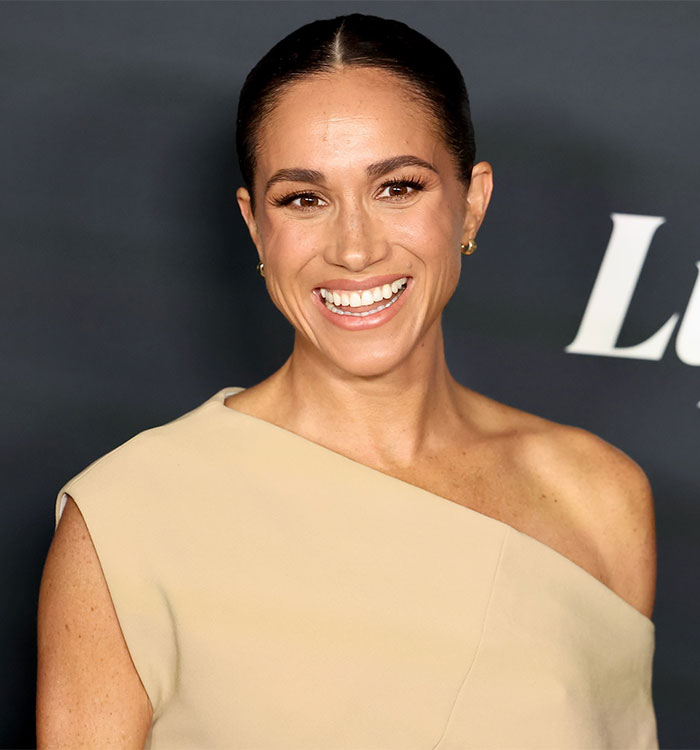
point(360, 41)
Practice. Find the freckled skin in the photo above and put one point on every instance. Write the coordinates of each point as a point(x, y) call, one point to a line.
point(88, 693)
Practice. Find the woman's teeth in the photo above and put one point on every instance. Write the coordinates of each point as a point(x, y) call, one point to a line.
point(336, 299)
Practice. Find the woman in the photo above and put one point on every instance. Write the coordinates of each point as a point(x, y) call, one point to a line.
point(358, 552)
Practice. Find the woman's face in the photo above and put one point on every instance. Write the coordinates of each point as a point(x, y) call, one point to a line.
point(359, 218)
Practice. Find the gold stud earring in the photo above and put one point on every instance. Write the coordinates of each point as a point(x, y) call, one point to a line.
point(261, 269)
point(469, 248)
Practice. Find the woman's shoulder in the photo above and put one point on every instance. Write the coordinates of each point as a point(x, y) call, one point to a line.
point(568, 454)
point(605, 493)
point(578, 457)
point(156, 459)
point(184, 432)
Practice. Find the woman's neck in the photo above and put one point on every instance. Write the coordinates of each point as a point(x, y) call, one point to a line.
point(384, 419)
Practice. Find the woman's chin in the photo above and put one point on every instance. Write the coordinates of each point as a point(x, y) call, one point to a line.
point(368, 363)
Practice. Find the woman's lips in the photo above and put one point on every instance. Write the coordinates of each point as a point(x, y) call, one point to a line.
point(359, 284)
point(352, 314)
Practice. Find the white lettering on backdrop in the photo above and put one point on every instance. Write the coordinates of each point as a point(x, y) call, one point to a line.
point(612, 293)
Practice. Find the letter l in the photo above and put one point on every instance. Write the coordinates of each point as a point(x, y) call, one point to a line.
point(612, 293)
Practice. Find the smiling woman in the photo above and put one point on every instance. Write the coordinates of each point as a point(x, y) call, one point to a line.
point(356, 187)
point(359, 551)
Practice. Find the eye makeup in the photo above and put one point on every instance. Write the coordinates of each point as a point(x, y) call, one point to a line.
point(414, 182)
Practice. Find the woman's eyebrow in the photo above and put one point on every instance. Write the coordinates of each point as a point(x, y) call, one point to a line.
point(376, 169)
point(295, 175)
point(379, 168)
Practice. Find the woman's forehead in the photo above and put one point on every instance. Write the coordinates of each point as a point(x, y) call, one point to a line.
point(357, 114)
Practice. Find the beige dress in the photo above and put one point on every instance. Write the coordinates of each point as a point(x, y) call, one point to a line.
point(274, 595)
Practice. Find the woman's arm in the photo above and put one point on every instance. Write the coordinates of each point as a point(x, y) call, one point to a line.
point(88, 693)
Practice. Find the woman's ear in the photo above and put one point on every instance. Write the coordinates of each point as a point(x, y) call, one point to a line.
point(243, 198)
point(478, 198)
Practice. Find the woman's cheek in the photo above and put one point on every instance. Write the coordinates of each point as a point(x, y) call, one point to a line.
point(426, 233)
point(286, 243)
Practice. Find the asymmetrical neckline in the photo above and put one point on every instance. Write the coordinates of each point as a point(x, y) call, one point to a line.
point(218, 400)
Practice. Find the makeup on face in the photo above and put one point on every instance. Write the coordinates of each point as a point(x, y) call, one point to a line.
point(359, 215)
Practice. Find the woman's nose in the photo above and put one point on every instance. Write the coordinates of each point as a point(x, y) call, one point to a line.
point(355, 241)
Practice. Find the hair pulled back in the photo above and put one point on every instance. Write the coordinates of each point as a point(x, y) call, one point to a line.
point(360, 41)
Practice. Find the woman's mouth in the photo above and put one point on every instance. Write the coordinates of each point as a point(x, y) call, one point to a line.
point(362, 303)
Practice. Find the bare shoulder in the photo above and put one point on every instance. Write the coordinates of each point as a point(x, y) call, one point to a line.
point(88, 691)
point(606, 494)
point(585, 498)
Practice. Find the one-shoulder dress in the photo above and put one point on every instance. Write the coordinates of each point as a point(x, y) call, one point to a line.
point(276, 595)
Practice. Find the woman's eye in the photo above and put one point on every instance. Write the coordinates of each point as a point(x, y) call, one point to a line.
point(306, 201)
point(400, 190)
point(303, 201)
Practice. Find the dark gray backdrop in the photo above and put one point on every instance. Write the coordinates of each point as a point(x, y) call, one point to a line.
point(129, 293)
